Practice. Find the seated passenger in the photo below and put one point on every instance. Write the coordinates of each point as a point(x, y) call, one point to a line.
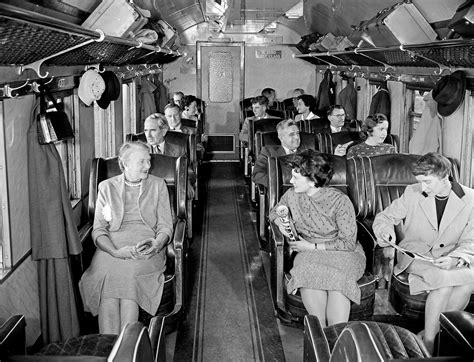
point(156, 127)
point(178, 99)
point(374, 131)
point(289, 136)
point(132, 226)
point(173, 116)
point(270, 94)
point(259, 108)
point(305, 106)
point(329, 259)
point(190, 110)
point(335, 123)
point(437, 219)
point(296, 93)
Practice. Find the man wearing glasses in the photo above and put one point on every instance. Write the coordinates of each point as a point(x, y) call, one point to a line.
point(336, 124)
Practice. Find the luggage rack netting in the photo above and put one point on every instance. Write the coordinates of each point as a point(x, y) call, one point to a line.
point(461, 56)
point(26, 43)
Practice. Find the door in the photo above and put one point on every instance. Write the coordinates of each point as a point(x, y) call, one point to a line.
point(220, 83)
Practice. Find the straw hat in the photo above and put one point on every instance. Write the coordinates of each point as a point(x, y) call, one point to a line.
point(91, 87)
point(449, 92)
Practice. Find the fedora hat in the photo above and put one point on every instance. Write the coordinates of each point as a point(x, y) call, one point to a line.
point(112, 89)
point(91, 87)
point(449, 92)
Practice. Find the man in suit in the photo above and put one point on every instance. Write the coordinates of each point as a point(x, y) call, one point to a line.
point(289, 136)
point(259, 108)
point(335, 123)
point(155, 131)
point(156, 128)
point(173, 116)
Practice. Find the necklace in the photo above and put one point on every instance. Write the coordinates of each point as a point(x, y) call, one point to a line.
point(133, 183)
point(441, 198)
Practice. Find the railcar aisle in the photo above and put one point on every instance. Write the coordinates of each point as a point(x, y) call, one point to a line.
point(230, 316)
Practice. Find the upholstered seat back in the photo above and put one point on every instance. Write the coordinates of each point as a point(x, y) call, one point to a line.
point(328, 141)
point(360, 341)
point(173, 170)
point(261, 125)
point(270, 138)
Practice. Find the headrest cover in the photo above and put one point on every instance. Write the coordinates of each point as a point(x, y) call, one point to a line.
point(91, 87)
point(449, 92)
point(112, 89)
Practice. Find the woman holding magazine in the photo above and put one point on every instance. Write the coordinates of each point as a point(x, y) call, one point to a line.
point(437, 218)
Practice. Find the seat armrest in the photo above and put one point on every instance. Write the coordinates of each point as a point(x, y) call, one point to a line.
point(456, 336)
point(316, 347)
point(133, 344)
point(277, 242)
point(12, 336)
point(179, 248)
point(156, 331)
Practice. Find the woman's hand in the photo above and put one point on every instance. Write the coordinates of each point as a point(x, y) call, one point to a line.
point(126, 252)
point(445, 262)
point(301, 245)
point(146, 248)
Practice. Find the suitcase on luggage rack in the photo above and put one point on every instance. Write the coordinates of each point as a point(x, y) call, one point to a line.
point(401, 23)
point(462, 21)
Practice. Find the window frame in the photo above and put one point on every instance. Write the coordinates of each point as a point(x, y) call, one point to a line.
point(5, 242)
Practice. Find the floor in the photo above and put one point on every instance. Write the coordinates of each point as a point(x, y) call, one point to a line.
point(230, 314)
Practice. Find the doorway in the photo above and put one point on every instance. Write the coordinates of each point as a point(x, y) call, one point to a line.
point(220, 84)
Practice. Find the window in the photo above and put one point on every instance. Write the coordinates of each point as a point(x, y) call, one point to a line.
point(416, 111)
point(69, 150)
point(129, 95)
point(104, 123)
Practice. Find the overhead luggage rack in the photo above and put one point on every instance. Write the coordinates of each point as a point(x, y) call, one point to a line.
point(442, 54)
point(29, 38)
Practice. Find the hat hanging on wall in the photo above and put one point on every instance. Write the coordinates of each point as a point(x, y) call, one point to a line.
point(449, 92)
point(91, 87)
point(112, 89)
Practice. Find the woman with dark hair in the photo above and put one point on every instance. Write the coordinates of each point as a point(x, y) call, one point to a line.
point(437, 219)
point(305, 107)
point(373, 134)
point(329, 259)
point(132, 226)
point(190, 110)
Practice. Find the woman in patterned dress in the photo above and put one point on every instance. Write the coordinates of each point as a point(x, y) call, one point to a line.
point(132, 226)
point(373, 133)
point(329, 258)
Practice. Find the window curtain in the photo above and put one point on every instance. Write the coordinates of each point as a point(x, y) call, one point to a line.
point(54, 237)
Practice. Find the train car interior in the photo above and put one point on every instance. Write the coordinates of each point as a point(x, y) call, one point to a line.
point(224, 100)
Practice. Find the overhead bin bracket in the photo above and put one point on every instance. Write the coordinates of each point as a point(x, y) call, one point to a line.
point(36, 66)
point(442, 67)
point(386, 66)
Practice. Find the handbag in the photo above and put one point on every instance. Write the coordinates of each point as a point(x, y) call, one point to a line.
point(52, 126)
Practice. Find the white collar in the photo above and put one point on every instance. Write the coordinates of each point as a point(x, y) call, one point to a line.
point(336, 130)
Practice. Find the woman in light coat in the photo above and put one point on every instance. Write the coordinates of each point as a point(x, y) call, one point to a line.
point(437, 219)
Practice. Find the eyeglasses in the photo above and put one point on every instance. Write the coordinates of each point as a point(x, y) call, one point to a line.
point(338, 115)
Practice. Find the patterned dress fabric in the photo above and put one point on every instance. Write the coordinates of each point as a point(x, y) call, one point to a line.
point(363, 149)
point(327, 217)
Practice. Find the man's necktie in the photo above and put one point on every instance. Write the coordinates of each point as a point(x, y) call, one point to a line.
point(156, 149)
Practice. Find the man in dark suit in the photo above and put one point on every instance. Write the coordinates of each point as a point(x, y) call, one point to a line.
point(156, 128)
point(289, 136)
point(335, 123)
point(173, 116)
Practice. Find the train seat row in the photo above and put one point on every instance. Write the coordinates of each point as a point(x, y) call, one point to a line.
point(377, 341)
point(135, 343)
point(371, 183)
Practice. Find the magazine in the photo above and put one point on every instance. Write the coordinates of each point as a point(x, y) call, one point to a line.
point(411, 254)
